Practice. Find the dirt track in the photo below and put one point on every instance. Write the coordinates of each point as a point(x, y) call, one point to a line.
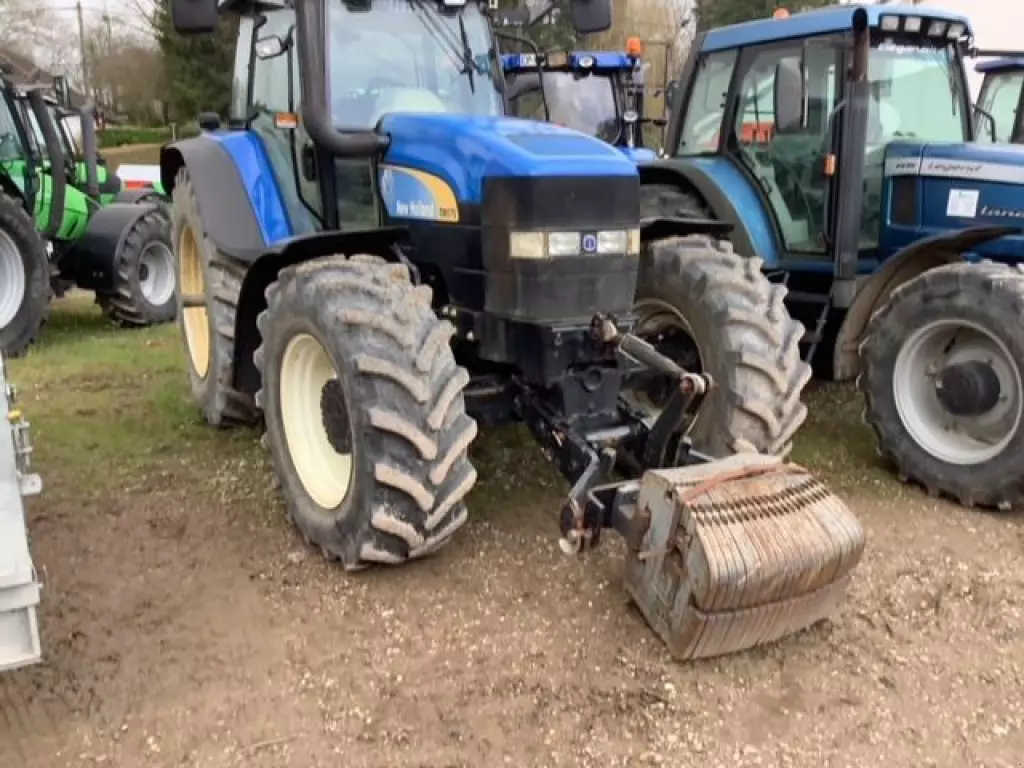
point(185, 624)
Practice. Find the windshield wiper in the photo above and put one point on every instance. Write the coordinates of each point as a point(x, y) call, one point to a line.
point(460, 53)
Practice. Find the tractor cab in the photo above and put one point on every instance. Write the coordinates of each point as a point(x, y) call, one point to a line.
point(1001, 100)
point(599, 93)
point(19, 156)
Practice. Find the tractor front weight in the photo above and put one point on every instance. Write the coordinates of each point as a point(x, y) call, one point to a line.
point(722, 554)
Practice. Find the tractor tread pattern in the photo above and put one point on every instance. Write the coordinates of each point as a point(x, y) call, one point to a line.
point(992, 292)
point(20, 227)
point(409, 415)
point(125, 305)
point(222, 405)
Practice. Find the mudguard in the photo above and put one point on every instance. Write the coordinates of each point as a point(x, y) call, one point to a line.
point(252, 298)
point(225, 205)
point(904, 265)
point(90, 261)
point(747, 239)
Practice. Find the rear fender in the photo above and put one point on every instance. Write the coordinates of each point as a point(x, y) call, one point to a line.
point(225, 207)
point(904, 265)
point(90, 261)
point(252, 298)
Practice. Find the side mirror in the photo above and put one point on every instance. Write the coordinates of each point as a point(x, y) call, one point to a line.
point(194, 17)
point(590, 16)
point(269, 47)
point(790, 96)
point(671, 93)
point(980, 117)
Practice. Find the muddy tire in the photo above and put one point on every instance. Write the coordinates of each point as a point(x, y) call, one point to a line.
point(24, 279)
point(144, 279)
point(364, 410)
point(670, 201)
point(739, 332)
point(207, 331)
point(942, 372)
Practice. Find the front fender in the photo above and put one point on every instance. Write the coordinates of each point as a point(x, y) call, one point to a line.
point(238, 198)
point(906, 264)
point(730, 196)
point(90, 262)
point(264, 270)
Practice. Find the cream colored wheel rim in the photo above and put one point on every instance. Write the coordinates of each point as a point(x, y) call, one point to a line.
point(195, 320)
point(325, 473)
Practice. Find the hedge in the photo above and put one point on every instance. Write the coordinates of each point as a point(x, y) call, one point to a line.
point(119, 136)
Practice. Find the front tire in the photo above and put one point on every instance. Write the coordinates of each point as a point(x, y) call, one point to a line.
point(207, 331)
point(364, 411)
point(24, 279)
point(725, 319)
point(144, 279)
point(943, 365)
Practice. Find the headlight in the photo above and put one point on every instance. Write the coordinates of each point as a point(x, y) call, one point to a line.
point(549, 245)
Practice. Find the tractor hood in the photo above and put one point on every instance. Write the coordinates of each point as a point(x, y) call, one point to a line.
point(456, 156)
point(936, 188)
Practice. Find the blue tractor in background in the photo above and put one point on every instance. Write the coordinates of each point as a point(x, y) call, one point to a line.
point(1002, 99)
point(373, 259)
point(838, 147)
point(599, 93)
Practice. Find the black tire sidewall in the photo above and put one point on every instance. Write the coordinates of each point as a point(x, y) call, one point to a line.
point(32, 314)
point(316, 522)
point(917, 305)
point(149, 228)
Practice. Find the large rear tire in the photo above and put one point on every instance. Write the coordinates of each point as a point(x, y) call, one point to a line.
point(144, 281)
point(24, 279)
point(207, 331)
point(363, 405)
point(715, 312)
point(943, 382)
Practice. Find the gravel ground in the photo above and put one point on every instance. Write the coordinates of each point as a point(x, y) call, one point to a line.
point(185, 624)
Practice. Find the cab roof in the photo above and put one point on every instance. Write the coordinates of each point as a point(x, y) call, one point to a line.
point(997, 66)
point(822, 21)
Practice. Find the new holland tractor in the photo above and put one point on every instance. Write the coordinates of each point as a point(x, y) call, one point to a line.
point(599, 93)
point(377, 260)
point(120, 250)
point(1001, 99)
point(837, 147)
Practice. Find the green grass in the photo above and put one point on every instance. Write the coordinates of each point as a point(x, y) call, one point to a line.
point(111, 412)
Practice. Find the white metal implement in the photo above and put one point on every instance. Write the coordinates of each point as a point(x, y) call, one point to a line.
point(19, 588)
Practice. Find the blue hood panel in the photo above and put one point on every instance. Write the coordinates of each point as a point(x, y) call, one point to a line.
point(959, 186)
point(462, 150)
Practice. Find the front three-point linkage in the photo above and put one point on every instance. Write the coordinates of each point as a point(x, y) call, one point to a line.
point(588, 458)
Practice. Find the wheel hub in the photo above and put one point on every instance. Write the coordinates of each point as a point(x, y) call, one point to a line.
point(970, 388)
point(335, 417)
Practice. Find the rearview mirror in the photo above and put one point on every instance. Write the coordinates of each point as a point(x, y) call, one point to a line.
point(269, 47)
point(194, 17)
point(589, 16)
point(790, 97)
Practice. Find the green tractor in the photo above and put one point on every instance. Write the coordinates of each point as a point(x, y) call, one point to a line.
point(96, 239)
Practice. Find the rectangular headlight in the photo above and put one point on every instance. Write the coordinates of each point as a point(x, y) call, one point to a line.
point(563, 243)
point(912, 24)
point(615, 241)
point(633, 247)
point(937, 28)
point(527, 245)
point(890, 23)
point(956, 30)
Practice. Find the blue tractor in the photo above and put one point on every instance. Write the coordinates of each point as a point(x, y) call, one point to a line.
point(1001, 99)
point(837, 146)
point(599, 93)
point(373, 259)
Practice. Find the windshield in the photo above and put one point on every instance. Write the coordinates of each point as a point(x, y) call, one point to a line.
point(11, 148)
point(409, 56)
point(1000, 97)
point(915, 93)
point(584, 103)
